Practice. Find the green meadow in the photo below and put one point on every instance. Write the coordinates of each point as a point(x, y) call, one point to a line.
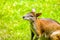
point(12, 25)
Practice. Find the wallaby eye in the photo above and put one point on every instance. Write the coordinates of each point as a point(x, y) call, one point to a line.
point(31, 16)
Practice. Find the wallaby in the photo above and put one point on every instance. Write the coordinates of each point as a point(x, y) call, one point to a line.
point(42, 26)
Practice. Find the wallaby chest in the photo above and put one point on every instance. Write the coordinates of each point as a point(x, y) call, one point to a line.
point(33, 27)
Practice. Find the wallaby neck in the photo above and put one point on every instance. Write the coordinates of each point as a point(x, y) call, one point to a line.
point(33, 21)
point(33, 26)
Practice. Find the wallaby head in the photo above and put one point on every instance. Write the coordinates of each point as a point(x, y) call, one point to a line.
point(31, 15)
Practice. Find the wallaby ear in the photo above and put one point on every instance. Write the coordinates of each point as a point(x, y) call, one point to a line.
point(38, 14)
point(33, 11)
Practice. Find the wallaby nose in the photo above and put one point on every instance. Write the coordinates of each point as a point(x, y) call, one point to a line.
point(23, 17)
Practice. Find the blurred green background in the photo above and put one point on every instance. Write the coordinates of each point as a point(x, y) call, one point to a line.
point(13, 27)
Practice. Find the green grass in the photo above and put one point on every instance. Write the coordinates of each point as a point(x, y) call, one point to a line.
point(13, 27)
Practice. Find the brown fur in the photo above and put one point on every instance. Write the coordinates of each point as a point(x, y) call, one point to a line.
point(55, 35)
point(47, 26)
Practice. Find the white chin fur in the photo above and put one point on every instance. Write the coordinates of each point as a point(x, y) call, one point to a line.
point(26, 18)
